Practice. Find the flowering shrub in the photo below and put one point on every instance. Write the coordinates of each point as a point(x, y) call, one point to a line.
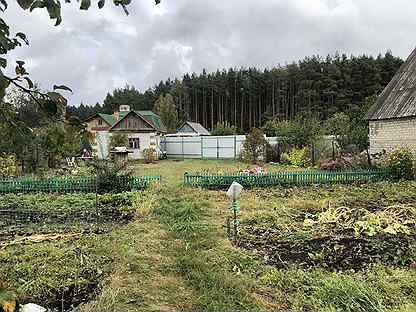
point(330, 164)
point(255, 171)
point(345, 162)
point(400, 163)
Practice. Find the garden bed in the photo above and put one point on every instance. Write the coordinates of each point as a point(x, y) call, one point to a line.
point(58, 274)
point(53, 212)
point(56, 250)
point(337, 228)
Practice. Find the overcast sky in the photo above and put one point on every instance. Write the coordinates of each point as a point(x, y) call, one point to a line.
point(96, 51)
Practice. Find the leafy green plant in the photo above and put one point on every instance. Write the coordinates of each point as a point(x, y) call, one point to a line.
point(300, 157)
point(166, 108)
point(111, 176)
point(7, 165)
point(224, 128)
point(400, 162)
point(254, 146)
point(302, 131)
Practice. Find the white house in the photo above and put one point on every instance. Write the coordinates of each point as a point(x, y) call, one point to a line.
point(143, 129)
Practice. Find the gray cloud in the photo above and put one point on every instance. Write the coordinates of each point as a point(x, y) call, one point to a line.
point(98, 50)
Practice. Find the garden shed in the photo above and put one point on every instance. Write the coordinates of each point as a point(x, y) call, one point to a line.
point(190, 128)
point(392, 119)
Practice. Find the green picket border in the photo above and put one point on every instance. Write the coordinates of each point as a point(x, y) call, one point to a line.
point(294, 178)
point(86, 184)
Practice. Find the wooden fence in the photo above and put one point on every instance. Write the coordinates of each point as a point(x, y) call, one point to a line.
point(69, 184)
point(299, 178)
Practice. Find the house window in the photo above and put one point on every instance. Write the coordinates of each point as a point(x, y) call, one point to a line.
point(100, 122)
point(134, 143)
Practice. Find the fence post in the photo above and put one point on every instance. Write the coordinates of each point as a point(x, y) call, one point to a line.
point(183, 155)
point(218, 151)
point(202, 147)
point(235, 147)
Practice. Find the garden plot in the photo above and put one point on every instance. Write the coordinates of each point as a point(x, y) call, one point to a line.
point(334, 228)
point(40, 213)
point(55, 250)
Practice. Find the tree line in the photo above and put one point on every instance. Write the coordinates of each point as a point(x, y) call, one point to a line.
point(249, 97)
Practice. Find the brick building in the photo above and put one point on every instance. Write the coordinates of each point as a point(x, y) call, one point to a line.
point(392, 119)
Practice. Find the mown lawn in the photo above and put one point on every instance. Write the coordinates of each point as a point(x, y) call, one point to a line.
point(346, 248)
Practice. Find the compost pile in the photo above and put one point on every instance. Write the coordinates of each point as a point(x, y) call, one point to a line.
point(351, 233)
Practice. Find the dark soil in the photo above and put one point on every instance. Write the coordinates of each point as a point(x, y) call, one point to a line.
point(333, 253)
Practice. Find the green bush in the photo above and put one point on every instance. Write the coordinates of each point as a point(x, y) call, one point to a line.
point(119, 140)
point(400, 163)
point(300, 157)
point(7, 165)
point(302, 131)
point(111, 176)
point(224, 128)
point(254, 147)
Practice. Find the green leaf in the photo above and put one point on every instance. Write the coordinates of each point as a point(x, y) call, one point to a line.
point(25, 4)
point(62, 87)
point(23, 37)
point(4, 3)
point(37, 4)
point(3, 62)
point(55, 96)
point(85, 4)
point(101, 4)
point(4, 83)
point(49, 107)
point(54, 10)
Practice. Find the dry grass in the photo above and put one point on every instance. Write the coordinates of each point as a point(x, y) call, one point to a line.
point(143, 276)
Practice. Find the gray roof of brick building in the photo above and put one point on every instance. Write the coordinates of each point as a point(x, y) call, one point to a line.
point(398, 99)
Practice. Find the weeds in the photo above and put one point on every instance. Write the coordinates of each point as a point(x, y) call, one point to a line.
point(199, 260)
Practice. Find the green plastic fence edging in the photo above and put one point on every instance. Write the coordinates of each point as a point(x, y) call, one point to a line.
point(68, 184)
point(300, 178)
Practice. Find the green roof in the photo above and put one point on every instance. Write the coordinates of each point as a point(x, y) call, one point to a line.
point(123, 114)
point(110, 119)
point(152, 118)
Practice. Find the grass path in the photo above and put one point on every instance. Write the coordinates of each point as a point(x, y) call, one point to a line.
point(144, 277)
point(176, 256)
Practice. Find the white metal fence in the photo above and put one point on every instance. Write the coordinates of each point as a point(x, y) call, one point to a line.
point(206, 147)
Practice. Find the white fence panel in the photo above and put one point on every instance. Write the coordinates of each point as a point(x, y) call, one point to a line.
point(208, 147)
point(227, 147)
point(192, 147)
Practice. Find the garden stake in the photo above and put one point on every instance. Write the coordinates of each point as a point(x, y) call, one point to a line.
point(236, 208)
point(234, 194)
